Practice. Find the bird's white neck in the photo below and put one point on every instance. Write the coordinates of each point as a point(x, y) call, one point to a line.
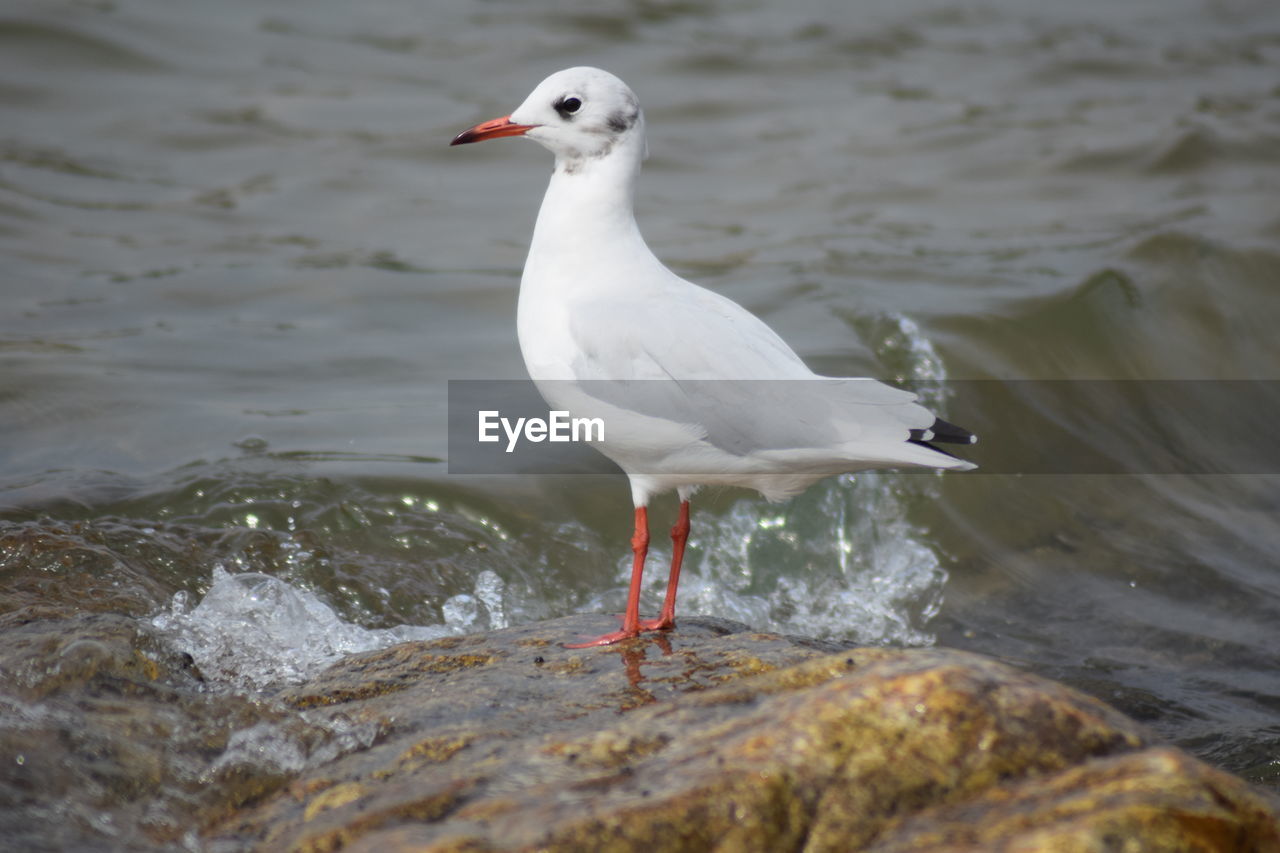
point(588, 204)
point(585, 244)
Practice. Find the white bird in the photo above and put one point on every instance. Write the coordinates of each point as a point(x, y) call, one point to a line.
point(597, 304)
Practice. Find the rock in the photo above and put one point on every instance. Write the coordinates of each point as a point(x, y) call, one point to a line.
point(718, 738)
point(710, 737)
point(1154, 799)
point(106, 737)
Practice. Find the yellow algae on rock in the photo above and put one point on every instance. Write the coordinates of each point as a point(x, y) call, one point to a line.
point(332, 798)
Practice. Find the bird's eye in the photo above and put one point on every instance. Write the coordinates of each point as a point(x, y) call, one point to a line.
point(568, 106)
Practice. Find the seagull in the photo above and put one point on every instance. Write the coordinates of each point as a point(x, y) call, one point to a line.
point(598, 312)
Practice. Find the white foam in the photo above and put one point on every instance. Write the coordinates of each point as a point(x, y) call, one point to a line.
point(252, 630)
point(262, 747)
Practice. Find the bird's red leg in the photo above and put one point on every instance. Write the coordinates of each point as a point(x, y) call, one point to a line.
point(679, 536)
point(631, 620)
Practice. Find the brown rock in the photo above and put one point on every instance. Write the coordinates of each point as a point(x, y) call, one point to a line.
point(1156, 799)
point(705, 739)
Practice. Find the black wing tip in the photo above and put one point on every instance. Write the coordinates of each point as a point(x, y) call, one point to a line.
point(943, 432)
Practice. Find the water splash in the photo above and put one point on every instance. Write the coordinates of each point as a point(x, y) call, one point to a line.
point(252, 630)
point(261, 747)
point(289, 745)
point(841, 562)
point(910, 357)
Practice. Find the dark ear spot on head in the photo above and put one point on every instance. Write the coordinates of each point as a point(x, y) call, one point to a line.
point(622, 119)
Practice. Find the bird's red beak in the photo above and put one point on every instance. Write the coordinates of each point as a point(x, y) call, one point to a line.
point(492, 129)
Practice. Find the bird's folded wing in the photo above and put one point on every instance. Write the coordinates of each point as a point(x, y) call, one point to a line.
point(712, 366)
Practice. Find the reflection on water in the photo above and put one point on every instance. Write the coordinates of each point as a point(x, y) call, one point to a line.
point(241, 264)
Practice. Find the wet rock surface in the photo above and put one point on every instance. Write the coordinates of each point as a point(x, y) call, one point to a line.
point(716, 737)
point(709, 737)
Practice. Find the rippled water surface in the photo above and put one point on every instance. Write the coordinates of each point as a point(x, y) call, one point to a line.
point(240, 263)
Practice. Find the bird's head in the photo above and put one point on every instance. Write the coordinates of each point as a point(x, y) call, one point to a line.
point(578, 114)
